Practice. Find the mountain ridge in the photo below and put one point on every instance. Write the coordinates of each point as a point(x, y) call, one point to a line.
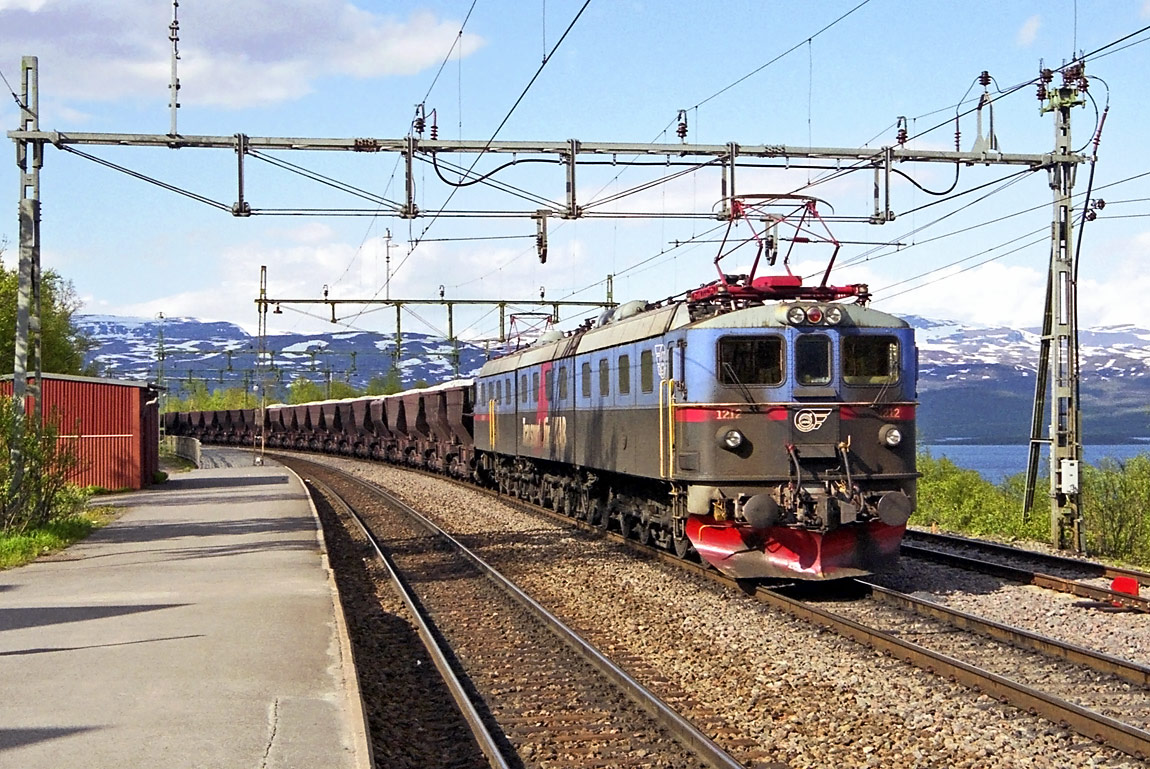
point(976, 383)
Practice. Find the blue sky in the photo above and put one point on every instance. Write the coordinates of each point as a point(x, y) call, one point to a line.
point(328, 68)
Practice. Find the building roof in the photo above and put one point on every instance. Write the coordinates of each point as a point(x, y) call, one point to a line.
point(89, 379)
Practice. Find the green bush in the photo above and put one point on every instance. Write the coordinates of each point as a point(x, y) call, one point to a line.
point(1115, 502)
point(18, 549)
point(962, 500)
point(43, 494)
point(1116, 499)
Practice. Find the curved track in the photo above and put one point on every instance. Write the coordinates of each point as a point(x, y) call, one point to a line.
point(1098, 696)
point(536, 693)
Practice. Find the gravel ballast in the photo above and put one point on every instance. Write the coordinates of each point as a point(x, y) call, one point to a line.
point(805, 695)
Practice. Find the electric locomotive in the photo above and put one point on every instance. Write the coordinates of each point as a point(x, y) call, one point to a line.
point(765, 424)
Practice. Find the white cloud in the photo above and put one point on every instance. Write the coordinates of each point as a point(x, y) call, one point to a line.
point(992, 294)
point(233, 53)
point(1029, 31)
point(310, 255)
point(22, 5)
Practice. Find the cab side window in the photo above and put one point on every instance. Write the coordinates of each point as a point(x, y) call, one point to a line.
point(751, 360)
point(870, 360)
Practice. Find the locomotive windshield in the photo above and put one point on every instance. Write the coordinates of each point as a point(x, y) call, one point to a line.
point(751, 360)
point(870, 360)
point(813, 359)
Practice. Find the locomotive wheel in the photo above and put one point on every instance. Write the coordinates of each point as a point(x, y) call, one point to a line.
point(586, 509)
point(646, 534)
point(681, 547)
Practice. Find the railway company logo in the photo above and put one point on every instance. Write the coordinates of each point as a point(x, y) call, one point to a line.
point(809, 420)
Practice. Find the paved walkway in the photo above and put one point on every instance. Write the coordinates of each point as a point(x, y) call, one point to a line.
point(198, 630)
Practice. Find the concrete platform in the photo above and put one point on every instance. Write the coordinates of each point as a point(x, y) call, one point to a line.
point(201, 629)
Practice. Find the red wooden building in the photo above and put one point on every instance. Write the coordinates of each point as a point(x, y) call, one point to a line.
point(115, 426)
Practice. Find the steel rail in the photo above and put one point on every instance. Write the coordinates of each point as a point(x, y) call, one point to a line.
point(1096, 726)
point(482, 734)
point(1052, 647)
point(1029, 577)
point(1093, 568)
point(686, 732)
point(1104, 729)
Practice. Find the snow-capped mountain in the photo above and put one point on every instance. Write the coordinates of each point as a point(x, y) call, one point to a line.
point(224, 355)
point(976, 384)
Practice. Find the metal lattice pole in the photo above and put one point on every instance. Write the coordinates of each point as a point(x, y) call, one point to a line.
point(1058, 356)
point(29, 159)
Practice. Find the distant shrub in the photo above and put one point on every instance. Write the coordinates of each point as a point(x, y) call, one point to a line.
point(961, 500)
point(1115, 503)
point(1116, 499)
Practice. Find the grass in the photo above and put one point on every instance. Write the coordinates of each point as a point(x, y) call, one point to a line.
point(19, 549)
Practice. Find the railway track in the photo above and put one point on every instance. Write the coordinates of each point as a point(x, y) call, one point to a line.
point(1066, 575)
point(1099, 696)
point(532, 691)
point(1103, 698)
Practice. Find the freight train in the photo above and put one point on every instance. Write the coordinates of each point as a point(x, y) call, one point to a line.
point(766, 425)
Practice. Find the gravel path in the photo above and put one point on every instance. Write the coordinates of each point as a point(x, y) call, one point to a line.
point(808, 697)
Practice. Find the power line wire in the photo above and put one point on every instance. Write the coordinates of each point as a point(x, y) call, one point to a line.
point(785, 53)
point(499, 128)
point(450, 51)
point(150, 180)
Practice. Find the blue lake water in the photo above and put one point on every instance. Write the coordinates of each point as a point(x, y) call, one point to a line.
point(998, 462)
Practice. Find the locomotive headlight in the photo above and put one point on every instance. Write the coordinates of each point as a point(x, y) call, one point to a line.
point(833, 316)
point(796, 316)
point(731, 439)
point(890, 436)
point(815, 314)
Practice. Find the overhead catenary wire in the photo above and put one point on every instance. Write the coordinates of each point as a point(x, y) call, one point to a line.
point(324, 179)
point(865, 163)
point(1034, 242)
point(15, 98)
point(499, 128)
point(455, 42)
point(493, 183)
point(1019, 175)
point(371, 224)
point(956, 262)
point(149, 179)
point(792, 49)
